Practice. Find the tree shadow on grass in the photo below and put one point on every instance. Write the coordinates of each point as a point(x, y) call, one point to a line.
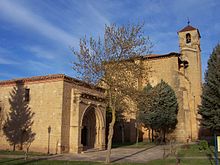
point(29, 161)
point(9, 160)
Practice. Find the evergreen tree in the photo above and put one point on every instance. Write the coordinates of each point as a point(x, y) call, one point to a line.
point(145, 115)
point(166, 108)
point(17, 127)
point(210, 105)
point(158, 108)
point(145, 106)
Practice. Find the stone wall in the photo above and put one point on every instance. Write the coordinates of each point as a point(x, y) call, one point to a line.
point(46, 103)
point(58, 102)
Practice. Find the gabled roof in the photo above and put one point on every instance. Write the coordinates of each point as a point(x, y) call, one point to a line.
point(189, 28)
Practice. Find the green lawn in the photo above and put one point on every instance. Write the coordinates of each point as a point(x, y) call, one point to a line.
point(7, 152)
point(194, 151)
point(59, 162)
point(44, 162)
point(182, 162)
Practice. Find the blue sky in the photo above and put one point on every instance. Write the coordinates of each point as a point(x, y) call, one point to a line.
point(36, 35)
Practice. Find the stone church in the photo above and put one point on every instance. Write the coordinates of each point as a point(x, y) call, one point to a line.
point(70, 115)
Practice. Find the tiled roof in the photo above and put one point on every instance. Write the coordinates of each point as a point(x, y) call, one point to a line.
point(157, 56)
point(187, 28)
point(48, 78)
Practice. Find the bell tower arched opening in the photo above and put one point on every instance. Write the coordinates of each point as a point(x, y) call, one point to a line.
point(188, 38)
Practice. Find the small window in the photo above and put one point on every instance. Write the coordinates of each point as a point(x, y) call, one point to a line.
point(27, 95)
point(188, 38)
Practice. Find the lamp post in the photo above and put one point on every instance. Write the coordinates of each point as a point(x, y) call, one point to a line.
point(216, 149)
point(49, 130)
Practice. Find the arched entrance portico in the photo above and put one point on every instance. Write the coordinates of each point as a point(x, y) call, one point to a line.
point(92, 129)
point(88, 132)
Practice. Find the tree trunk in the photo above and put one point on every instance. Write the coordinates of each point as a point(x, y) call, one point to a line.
point(27, 150)
point(152, 135)
point(110, 136)
point(21, 146)
point(137, 137)
point(161, 137)
point(122, 134)
point(13, 147)
point(164, 136)
point(149, 140)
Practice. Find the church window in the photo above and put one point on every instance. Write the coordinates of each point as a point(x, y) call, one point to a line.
point(188, 38)
point(27, 95)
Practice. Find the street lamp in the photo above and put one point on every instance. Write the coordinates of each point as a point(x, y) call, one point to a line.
point(49, 131)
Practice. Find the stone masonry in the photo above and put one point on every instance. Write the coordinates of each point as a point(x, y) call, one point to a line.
point(59, 102)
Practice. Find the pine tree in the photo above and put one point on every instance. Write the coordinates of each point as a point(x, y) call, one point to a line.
point(210, 105)
point(145, 106)
point(166, 108)
point(17, 127)
point(158, 108)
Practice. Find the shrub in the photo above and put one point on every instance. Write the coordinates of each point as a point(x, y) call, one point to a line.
point(203, 145)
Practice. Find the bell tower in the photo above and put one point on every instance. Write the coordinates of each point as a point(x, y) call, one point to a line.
point(191, 84)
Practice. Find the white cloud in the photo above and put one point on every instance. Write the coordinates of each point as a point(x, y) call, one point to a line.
point(7, 61)
point(98, 16)
point(42, 53)
point(23, 17)
point(4, 54)
point(38, 66)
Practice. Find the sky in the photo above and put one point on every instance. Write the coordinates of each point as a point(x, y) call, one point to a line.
point(36, 36)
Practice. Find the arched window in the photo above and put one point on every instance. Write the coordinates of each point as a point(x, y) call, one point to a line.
point(188, 38)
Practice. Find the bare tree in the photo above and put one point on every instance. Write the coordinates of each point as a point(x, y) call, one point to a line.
point(114, 63)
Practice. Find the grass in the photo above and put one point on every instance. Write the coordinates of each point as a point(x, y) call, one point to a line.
point(8, 152)
point(44, 162)
point(194, 151)
point(60, 162)
point(182, 162)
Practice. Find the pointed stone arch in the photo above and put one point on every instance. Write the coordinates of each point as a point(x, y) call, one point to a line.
point(92, 126)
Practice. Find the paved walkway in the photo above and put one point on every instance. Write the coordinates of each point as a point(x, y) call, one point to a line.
point(138, 155)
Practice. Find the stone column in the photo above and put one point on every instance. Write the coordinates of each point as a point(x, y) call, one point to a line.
point(102, 138)
point(75, 129)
